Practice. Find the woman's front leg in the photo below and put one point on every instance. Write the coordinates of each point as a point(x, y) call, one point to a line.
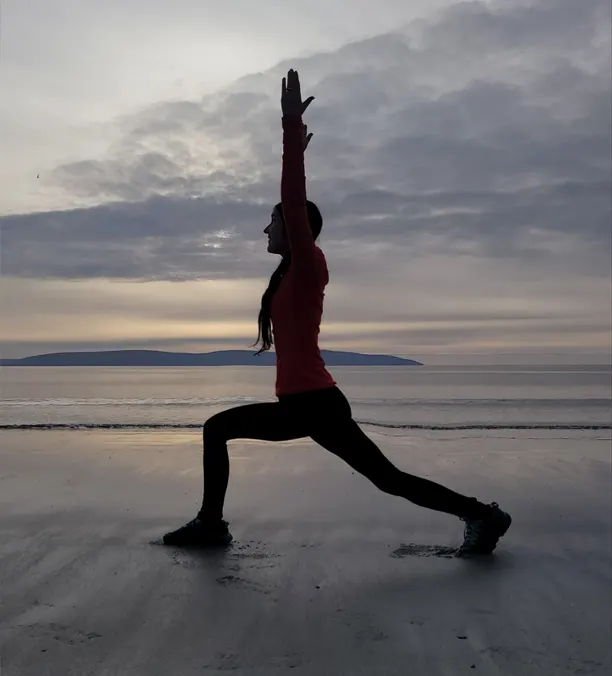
point(265, 422)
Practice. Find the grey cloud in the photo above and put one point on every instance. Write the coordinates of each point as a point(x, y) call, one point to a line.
point(160, 238)
point(535, 24)
point(174, 238)
point(485, 128)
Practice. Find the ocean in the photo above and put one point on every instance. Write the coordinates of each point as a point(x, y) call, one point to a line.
point(395, 401)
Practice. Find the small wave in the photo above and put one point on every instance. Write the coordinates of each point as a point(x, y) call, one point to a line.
point(152, 401)
point(398, 426)
point(223, 401)
point(485, 403)
point(490, 426)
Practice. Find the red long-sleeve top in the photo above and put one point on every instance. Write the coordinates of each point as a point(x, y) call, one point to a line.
point(297, 305)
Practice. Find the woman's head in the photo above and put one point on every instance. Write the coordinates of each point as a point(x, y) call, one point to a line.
point(278, 243)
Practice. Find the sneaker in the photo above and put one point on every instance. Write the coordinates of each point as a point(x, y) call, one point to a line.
point(481, 535)
point(198, 533)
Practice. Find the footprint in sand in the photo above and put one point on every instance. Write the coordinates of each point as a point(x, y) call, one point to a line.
point(424, 550)
point(59, 632)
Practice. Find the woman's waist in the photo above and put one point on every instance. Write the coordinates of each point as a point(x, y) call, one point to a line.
point(327, 399)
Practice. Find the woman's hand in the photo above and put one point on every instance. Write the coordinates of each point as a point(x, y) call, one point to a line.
point(291, 96)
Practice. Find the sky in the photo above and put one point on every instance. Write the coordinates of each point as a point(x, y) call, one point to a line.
point(461, 160)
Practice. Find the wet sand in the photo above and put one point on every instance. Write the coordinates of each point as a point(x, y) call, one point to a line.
point(326, 577)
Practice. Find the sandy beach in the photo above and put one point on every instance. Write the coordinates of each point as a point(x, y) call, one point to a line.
point(326, 576)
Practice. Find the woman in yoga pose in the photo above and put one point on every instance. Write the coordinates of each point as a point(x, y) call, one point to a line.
point(309, 402)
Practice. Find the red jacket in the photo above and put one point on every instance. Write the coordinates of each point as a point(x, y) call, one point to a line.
point(297, 305)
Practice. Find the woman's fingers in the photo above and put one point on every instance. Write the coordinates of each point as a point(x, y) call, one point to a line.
point(306, 103)
point(291, 93)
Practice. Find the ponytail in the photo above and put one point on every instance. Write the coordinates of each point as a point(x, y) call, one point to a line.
point(264, 321)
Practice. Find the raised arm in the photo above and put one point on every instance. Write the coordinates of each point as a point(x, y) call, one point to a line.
point(293, 180)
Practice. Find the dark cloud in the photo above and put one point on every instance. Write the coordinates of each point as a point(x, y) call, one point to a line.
point(160, 238)
point(540, 25)
point(486, 128)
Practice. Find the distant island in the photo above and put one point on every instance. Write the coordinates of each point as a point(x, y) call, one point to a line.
point(220, 358)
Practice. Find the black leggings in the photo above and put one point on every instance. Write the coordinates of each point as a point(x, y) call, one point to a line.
point(326, 417)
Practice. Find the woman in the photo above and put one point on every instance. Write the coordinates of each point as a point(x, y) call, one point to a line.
point(309, 403)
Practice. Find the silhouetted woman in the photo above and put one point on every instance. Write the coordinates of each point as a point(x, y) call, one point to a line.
point(309, 403)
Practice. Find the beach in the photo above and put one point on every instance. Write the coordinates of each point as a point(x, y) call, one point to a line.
point(326, 576)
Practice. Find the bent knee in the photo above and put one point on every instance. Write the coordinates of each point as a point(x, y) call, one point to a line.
point(216, 427)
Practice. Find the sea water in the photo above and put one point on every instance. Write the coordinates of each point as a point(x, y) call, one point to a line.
point(391, 400)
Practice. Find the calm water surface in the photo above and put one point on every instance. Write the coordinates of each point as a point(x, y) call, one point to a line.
point(389, 398)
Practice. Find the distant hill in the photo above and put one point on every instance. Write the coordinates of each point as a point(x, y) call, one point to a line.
point(221, 358)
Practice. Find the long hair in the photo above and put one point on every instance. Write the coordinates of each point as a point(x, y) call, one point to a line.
point(264, 322)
